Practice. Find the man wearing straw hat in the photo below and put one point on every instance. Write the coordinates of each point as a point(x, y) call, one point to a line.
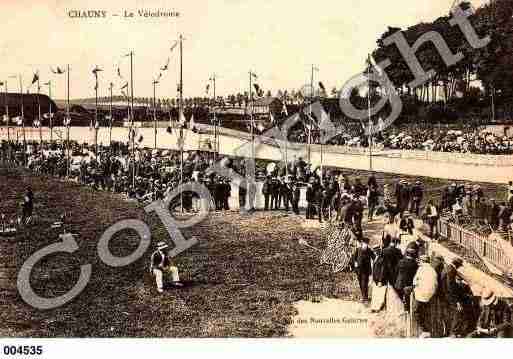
point(161, 265)
point(495, 317)
point(425, 284)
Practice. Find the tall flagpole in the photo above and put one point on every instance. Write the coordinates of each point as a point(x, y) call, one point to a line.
point(180, 113)
point(23, 122)
point(132, 115)
point(96, 116)
point(7, 113)
point(50, 110)
point(110, 114)
point(369, 113)
point(310, 124)
point(155, 82)
point(251, 116)
point(39, 115)
point(68, 122)
point(216, 140)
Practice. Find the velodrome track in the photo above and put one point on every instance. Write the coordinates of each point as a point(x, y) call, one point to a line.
point(237, 143)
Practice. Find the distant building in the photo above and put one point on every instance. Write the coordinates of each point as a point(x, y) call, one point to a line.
point(267, 105)
point(30, 103)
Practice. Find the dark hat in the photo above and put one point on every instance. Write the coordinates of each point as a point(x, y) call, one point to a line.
point(457, 262)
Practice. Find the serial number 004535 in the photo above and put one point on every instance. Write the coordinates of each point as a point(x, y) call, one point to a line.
point(15, 350)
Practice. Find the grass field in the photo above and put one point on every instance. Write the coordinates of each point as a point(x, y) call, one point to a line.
point(241, 279)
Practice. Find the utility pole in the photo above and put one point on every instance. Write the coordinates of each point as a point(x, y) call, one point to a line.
point(50, 123)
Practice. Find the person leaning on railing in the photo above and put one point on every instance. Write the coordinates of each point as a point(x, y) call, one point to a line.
point(495, 318)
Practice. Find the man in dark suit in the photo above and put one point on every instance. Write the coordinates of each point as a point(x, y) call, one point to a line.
point(242, 193)
point(450, 293)
point(362, 266)
point(391, 257)
point(266, 191)
point(296, 194)
point(406, 270)
point(310, 199)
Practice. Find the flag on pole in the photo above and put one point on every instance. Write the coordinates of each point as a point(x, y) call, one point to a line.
point(124, 87)
point(257, 89)
point(96, 70)
point(284, 110)
point(192, 124)
point(173, 46)
point(166, 66)
point(323, 89)
point(181, 119)
point(35, 78)
point(57, 70)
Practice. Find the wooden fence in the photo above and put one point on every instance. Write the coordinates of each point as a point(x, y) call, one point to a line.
point(487, 248)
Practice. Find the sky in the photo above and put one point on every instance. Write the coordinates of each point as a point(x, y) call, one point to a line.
point(279, 40)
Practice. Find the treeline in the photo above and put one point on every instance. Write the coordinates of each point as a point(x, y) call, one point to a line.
point(469, 85)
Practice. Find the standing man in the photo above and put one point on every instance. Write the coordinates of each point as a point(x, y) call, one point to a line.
point(406, 270)
point(227, 192)
point(431, 217)
point(27, 206)
point(391, 257)
point(242, 193)
point(417, 193)
point(310, 198)
point(362, 266)
point(425, 284)
point(450, 292)
point(296, 194)
point(266, 191)
point(286, 194)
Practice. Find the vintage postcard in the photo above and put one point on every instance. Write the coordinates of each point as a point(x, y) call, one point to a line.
point(255, 169)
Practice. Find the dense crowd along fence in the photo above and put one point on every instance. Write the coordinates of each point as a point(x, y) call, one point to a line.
point(486, 247)
point(496, 169)
point(33, 134)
